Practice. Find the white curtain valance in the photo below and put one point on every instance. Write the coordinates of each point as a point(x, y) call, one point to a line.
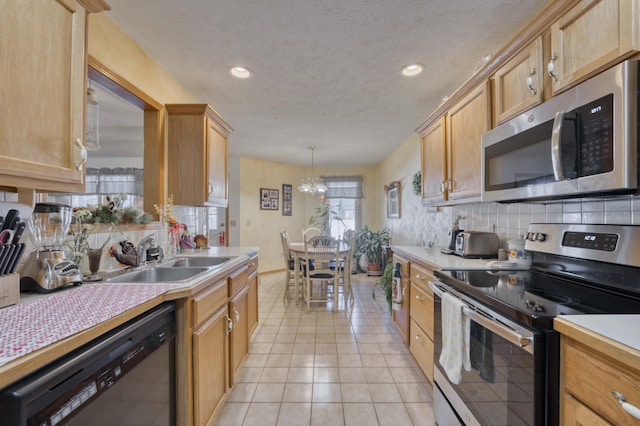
point(106, 180)
point(343, 186)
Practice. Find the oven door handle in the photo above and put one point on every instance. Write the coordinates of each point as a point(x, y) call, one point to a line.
point(499, 329)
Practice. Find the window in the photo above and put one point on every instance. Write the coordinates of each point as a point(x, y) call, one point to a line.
point(106, 181)
point(344, 194)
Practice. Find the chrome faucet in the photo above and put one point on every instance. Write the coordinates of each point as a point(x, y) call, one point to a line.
point(148, 250)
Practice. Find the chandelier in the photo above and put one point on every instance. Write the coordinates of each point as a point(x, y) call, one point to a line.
point(312, 185)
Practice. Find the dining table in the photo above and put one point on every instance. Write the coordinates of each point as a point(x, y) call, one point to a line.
point(298, 252)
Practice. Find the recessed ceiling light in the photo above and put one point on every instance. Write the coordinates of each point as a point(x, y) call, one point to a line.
point(240, 72)
point(412, 70)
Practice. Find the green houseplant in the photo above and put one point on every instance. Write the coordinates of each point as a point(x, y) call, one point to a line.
point(385, 283)
point(371, 244)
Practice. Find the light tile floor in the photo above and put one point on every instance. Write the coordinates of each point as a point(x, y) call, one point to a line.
point(314, 367)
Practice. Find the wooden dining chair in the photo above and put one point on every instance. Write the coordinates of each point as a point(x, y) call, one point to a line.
point(309, 232)
point(347, 260)
point(289, 264)
point(320, 251)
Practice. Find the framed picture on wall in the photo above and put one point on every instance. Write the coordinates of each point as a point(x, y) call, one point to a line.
point(393, 200)
point(287, 199)
point(269, 199)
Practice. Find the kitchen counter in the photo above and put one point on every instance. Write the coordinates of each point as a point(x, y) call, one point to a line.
point(42, 328)
point(617, 336)
point(437, 259)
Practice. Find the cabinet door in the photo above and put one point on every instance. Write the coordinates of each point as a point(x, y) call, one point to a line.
point(576, 414)
point(217, 166)
point(210, 366)
point(421, 347)
point(42, 97)
point(466, 122)
point(252, 303)
point(239, 336)
point(401, 316)
point(197, 155)
point(517, 86)
point(434, 162)
point(590, 36)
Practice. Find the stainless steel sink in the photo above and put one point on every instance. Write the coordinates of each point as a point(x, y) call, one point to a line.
point(157, 275)
point(190, 262)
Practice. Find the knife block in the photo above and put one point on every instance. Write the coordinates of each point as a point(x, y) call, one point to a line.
point(9, 289)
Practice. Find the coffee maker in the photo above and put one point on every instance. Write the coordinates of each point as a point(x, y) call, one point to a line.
point(47, 268)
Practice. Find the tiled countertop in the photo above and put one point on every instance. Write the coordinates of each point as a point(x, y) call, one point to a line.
point(39, 321)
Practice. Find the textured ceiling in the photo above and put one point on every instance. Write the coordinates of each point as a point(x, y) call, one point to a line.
point(325, 72)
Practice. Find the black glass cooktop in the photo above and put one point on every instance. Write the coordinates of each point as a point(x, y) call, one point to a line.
point(535, 296)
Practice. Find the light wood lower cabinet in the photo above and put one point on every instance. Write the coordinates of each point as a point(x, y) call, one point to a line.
point(592, 370)
point(252, 297)
point(210, 365)
point(401, 316)
point(422, 318)
point(210, 354)
point(239, 336)
point(212, 343)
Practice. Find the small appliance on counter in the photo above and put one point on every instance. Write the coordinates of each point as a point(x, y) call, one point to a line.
point(47, 268)
point(453, 233)
point(478, 245)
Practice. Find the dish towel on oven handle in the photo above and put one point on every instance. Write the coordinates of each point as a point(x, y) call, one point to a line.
point(455, 338)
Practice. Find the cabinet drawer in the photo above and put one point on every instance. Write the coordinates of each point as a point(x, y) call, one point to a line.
point(574, 413)
point(238, 280)
point(209, 301)
point(421, 347)
point(253, 265)
point(422, 276)
point(591, 377)
point(421, 309)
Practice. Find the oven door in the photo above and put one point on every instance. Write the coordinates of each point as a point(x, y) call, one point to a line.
point(506, 384)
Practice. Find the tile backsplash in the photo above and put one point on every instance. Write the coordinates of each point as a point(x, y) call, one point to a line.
point(421, 225)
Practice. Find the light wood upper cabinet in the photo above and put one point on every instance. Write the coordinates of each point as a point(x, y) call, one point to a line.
point(43, 71)
point(590, 37)
point(451, 150)
point(197, 155)
point(518, 85)
point(434, 172)
point(466, 122)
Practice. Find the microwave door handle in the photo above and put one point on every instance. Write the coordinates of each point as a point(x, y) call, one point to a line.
point(556, 152)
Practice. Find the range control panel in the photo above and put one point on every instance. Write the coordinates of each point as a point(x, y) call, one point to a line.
point(590, 240)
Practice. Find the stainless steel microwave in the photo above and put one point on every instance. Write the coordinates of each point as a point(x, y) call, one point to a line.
point(583, 142)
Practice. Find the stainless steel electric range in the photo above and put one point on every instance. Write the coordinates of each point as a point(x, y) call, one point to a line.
point(514, 351)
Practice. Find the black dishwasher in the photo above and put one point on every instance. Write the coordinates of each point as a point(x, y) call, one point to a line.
point(125, 377)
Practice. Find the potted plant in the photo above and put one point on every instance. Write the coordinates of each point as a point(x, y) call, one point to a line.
point(371, 244)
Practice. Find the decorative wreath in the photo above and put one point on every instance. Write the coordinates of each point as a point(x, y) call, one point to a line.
point(417, 183)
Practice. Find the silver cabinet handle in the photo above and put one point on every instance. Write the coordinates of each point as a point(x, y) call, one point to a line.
point(551, 67)
point(421, 277)
point(631, 409)
point(420, 298)
point(530, 82)
point(237, 315)
point(229, 324)
point(83, 154)
point(419, 339)
point(442, 186)
point(209, 188)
